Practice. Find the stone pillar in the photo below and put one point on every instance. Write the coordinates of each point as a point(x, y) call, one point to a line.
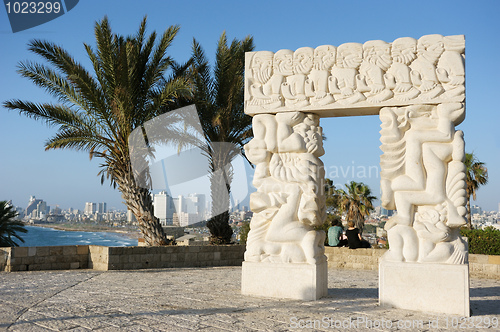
point(285, 255)
point(423, 178)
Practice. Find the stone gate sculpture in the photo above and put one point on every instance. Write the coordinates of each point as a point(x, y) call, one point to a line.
point(417, 87)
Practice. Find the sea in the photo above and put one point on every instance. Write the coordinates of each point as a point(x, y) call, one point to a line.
point(42, 236)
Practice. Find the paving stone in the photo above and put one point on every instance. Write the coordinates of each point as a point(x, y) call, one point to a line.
point(202, 299)
point(26, 327)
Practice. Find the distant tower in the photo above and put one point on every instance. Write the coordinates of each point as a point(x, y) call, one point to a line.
point(164, 208)
point(476, 210)
point(32, 205)
point(130, 216)
point(90, 208)
point(102, 208)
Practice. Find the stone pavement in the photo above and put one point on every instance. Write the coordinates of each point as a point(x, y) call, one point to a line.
point(209, 299)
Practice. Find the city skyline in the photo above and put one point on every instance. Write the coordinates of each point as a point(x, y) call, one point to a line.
point(67, 178)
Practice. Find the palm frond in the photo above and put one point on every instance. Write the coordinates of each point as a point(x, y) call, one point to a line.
point(52, 115)
point(9, 226)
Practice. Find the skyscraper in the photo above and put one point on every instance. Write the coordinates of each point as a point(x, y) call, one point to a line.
point(476, 210)
point(32, 205)
point(164, 208)
point(37, 208)
point(102, 208)
point(90, 208)
point(189, 210)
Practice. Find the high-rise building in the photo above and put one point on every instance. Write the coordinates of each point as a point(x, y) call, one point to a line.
point(195, 203)
point(32, 205)
point(37, 208)
point(385, 212)
point(184, 219)
point(130, 216)
point(164, 208)
point(476, 210)
point(102, 208)
point(42, 210)
point(498, 207)
point(90, 208)
point(57, 210)
point(189, 210)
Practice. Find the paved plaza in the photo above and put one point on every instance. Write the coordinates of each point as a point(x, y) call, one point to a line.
point(209, 299)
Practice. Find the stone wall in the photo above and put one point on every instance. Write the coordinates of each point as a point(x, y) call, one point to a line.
point(4, 257)
point(359, 259)
point(480, 266)
point(130, 258)
point(46, 258)
point(117, 258)
point(484, 266)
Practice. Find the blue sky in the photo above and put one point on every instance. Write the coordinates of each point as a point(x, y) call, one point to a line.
point(69, 179)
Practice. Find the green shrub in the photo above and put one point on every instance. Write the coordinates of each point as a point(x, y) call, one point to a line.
point(483, 241)
point(245, 228)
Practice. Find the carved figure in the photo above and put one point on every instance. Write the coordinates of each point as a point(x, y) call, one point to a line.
point(376, 61)
point(263, 144)
point(317, 84)
point(343, 82)
point(398, 77)
point(294, 88)
point(289, 200)
point(429, 49)
point(438, 243)
point(422, 165)
point(451, 68)
point(282, 67)
point(261, 66)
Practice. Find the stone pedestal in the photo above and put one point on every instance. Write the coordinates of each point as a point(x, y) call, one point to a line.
point(282, 280)
point(439, 288)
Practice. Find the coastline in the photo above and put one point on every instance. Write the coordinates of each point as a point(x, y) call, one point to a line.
point(133, 234)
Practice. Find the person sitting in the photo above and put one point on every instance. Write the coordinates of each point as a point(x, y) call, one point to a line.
point(354, 239)
point(335, 235)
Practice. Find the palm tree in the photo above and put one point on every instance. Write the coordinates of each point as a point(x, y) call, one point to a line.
point(219, 100)
point(98, 110)
point(332, 197)
point(477, 175)
point(9, 227)
point(357, 202)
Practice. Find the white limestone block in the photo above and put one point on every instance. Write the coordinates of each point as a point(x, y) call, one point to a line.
point(356, 79)
point(306, 282)
point(439, 288)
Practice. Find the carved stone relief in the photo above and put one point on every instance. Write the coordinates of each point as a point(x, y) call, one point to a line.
point(418, 89)
point(423, 177)
point(289, 177)
point(352, 75)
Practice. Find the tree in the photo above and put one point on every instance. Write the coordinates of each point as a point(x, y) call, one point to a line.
point(357, 202)
point(98, 111)
point(332, 198)
point(219, 100)
point(9, 226)
point(244, 229)
point(477, 175)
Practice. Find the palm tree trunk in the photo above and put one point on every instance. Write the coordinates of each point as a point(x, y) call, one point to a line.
point(220, 187)
point(469, 215)
point(139, 201)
